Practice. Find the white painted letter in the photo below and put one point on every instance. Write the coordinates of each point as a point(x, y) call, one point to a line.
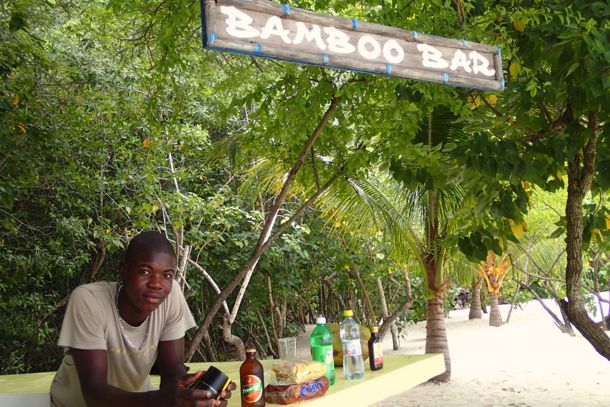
point(481, 64)
point(460, 60)
point(362, 47)
point(274, 26)
point(238, 23)
point(338, 41)
point(392, 47)
point(431, 57)
point(309, 35)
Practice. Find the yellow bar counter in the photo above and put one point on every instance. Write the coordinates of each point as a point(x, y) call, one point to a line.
point(399, 373)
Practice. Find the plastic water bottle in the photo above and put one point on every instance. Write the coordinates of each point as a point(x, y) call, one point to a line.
point(321, 342)
point(353, 365)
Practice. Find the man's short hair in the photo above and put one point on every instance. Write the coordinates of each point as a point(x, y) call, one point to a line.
point(148, 242)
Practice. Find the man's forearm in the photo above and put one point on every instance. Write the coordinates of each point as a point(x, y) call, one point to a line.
point(113, 396)
point(171, 379)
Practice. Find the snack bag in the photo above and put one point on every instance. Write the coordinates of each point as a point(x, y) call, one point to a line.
point(294, 372)
point(294, 393)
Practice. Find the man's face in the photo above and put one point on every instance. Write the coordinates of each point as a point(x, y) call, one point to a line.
point(147, 281)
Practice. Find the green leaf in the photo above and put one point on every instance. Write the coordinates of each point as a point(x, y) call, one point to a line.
point(557, 232)
point(572, 68)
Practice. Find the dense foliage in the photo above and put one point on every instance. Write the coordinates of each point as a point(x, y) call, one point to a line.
point(99, 143)
point(113, 120)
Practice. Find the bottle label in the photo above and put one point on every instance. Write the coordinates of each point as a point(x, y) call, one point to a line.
point(251, 388)
point(377, 353)
point(323, 354)
point(352, 348)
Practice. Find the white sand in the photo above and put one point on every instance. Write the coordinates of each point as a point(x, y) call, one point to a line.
point(527, 362)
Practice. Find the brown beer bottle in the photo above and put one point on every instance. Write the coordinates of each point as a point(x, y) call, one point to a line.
point(252, 381)
point(375, 350)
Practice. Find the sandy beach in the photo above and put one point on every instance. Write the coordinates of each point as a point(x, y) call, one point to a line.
point(527, 362)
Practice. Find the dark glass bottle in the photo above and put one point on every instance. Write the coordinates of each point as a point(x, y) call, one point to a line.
point(375, 350)
point(252, 381)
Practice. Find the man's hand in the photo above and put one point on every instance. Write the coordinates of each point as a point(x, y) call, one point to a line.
point(226, 394)
point(174, 379)
point(180, 395)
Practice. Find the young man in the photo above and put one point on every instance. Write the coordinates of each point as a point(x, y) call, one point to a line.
point(114, 332)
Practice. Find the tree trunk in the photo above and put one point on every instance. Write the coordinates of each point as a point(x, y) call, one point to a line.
point(400, 310)
point(475, 300)
point(209, 347)
point(384, 310)
point(432, 259)
point(564, 326)
point(436, 336)
point(495, 317)
point(513, 302)
point(233, 340)
point(608, 316)
point(372, 318)
point(580, 173)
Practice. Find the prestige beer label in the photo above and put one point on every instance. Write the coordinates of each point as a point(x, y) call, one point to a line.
point(251, 389)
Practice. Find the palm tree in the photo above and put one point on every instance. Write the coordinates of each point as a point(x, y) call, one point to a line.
point(437, 204)
point(418, 207)
point(494, 276)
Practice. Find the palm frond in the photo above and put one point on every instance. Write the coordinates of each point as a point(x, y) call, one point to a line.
point(460, 271)
point(367, 207)
point(542, 257)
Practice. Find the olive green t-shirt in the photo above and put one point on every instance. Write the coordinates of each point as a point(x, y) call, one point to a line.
point(92, 322)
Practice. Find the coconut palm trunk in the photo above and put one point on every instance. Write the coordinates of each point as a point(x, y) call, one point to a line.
point(494, 276)
point(475, 300)
point(495, 317)
point(432, 259)
point(436, 335)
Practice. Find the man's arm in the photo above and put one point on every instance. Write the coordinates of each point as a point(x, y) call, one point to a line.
point(92, 368)
point(170, 361)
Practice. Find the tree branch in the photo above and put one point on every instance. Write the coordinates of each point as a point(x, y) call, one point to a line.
point(245, 272)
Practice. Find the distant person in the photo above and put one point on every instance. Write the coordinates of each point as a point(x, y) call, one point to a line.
point(114, 332)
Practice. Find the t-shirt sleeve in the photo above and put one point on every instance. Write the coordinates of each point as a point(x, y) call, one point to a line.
point(179, 318)
point(84, 322)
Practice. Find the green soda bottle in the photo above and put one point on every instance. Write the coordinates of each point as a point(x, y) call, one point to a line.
point(321, 342)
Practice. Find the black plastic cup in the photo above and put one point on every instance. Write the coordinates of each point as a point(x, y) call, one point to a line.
point(213, 380)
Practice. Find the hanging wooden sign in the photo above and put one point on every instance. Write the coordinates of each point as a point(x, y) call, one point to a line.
point(266, 29)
